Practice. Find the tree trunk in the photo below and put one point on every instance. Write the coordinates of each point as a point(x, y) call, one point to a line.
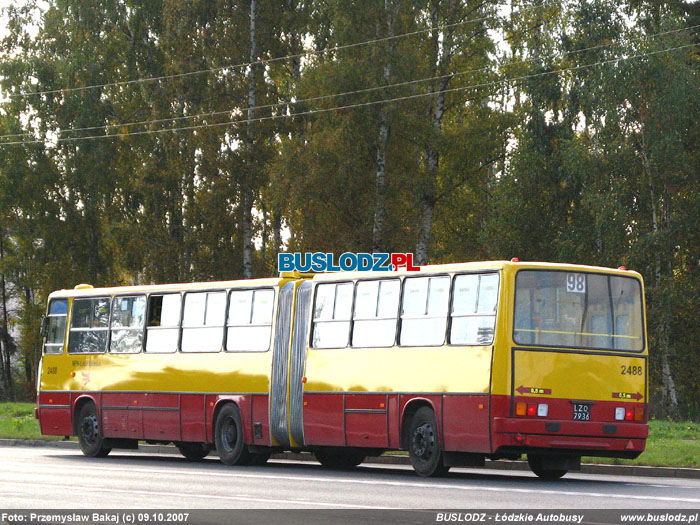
point(247, 191)
point(669, 396)
point(436, 112)
point(380, 185)
point(380, 180)
point(31, 357)
point(277, 235)
point(6, 353)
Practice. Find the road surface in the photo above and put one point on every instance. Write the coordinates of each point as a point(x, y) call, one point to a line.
point(51, 478)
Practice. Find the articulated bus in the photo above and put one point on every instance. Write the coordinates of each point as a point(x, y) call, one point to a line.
point(454, 363)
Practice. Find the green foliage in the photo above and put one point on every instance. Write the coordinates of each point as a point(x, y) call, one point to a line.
point(596, 164)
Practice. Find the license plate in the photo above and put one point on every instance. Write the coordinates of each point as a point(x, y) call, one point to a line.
point(582, 412)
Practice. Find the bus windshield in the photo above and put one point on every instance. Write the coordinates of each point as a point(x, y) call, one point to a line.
point(578, 310)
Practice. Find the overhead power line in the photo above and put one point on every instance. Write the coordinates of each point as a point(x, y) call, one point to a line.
point(358, 105)
point(353, 92)
point(311, 52)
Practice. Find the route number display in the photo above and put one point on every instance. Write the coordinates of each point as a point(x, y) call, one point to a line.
point(576, 283)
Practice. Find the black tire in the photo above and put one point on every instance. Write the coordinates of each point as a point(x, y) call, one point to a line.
point(546, 474)
point(90, 433)
point(424, 444)
point(228, 437)
point(339, 458)
point(193, 451)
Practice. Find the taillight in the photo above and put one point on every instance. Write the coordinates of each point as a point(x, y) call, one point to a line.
point(531, 409)
point(639, 414)
point(629, 414)
point(620, 413)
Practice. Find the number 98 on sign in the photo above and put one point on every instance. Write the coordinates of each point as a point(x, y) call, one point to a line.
point(576, 282)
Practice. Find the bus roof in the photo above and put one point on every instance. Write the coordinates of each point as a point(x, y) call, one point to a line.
point(87, 290)
point(116, 290)
point(475, 266)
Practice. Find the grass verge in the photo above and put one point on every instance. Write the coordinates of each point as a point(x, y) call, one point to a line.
point(670, 444)
point(17, 422)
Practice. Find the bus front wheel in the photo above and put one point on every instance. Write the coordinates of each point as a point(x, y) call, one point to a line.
point(540, 467)
point(424, 444)
point(228, 437)
point(89, 432)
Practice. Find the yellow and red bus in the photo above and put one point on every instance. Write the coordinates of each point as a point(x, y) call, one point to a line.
point(454, 363)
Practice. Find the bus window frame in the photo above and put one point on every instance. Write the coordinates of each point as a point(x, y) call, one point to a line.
point(182, 320)
point(65, 329)
point(352, 314)
point(399, 327)
point(272, 325)
point(495, 315)
point(143, 326)
point(178, 327)
point(350, 320)
point(87, 329)
point(399, 319)
point(584, 348)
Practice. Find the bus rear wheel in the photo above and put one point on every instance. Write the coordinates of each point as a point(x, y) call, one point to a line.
point(538, 465)
point(193, 451)
point(339, 458)
point(424, 444)
point(89, 432)
point(228, 437)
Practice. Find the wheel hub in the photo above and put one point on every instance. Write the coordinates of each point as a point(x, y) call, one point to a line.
point(228, 435)
point(423, 440)
point(90, 429)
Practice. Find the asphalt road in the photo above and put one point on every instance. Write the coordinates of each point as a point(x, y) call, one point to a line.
point(48, 478)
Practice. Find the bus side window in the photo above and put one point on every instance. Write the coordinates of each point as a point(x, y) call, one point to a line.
point(424, 312)
point(474, 309)
point(332, 310)
point(203, 321)
point(376, 309)
point(163, 328)
point(89, 328)
point(56, 326)
point(249, 323)
point(128, 314)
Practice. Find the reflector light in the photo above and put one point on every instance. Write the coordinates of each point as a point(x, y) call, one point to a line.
point(542, 409)
point(629, 414)
point(639, 414)
point(520, 409)
point(630, 445)
point(620, 413)
point(519, 439)
point(531, 410)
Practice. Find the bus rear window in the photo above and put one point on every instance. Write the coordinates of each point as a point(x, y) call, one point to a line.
point(578, 310)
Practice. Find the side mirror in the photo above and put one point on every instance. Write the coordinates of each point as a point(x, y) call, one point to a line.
point(44, 326)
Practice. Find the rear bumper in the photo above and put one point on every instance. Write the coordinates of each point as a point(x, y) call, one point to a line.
point(593, 438)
